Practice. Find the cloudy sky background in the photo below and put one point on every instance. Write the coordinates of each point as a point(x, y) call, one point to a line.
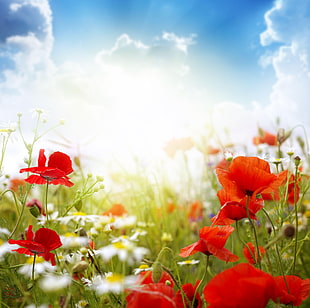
point(127, 76)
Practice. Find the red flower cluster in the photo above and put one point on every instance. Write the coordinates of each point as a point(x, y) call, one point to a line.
point(241, 286)
point(291, 290)
point(162, 294)
point(245, 286)
point(56, 172)
point(40, 243)
point(243, 181)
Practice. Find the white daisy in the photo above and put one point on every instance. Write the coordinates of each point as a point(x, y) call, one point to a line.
point(111, 282)
point(40, 267)
point(188, 262)
point(125, 250)
point(79, 218)
point(54, 283)
point(71, 240)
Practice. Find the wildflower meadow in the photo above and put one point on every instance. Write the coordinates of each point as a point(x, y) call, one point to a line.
point(208, 226)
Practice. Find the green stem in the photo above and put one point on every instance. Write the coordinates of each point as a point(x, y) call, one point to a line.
point(243, 242)
point(258, 259)
point(4, 146)
point(296, 218)
point(23, 203)
point(33, 266)
point(274, 241)
point(45, 201)
point(200, 285)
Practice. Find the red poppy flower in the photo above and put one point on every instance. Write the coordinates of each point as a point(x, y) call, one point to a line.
point(117, 209)
point(265, 137)
point(153, 295)
point(17, 185)
point(241, 286)
point(251, 254)
point(146, 278)
point(299, 290)
point(195, 211)
point(249, 176)
point(189, 291)
point(211, 242)
point(58, 167)
point(232, 211)
point(39, 243)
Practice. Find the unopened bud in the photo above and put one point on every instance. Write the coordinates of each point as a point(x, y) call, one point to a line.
point(297, 160)
point(78, 205)
point(77, 161)
point(157, 271)
point(34, 211)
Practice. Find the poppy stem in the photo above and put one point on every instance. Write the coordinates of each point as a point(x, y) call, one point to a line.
point(275, 242)
point(23, 204)
point(296, 212)
point(33, 266)
point(258, 258)
point(243, 242)
point(45, 201)
point(200, 285)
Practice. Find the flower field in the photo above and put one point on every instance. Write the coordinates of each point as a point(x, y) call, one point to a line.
point(216, 229)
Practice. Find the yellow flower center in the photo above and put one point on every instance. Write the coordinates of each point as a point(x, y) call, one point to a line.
point(38, 260)
point(115, 278)
point(79, 214)
point(70, 234)
point(119, 245)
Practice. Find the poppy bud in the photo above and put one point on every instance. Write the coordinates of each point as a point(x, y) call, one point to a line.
point(35, 207)
point(77, 161)
point(297, 160)
point(34, 211)
point(78, 205)
point(157, 271)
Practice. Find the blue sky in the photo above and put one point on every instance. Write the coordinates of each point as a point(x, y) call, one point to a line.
point(127, 76)
point(227, 36)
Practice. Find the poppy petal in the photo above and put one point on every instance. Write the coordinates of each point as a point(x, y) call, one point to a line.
point(35, 179)
point(60, 161)
point(41, 159)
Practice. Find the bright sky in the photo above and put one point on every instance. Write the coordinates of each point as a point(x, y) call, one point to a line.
point(128, 75)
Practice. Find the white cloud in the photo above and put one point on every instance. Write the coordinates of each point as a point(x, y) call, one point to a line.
point(27, 41)
point(167, 52)
point(288, 24)
point(181, 43)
